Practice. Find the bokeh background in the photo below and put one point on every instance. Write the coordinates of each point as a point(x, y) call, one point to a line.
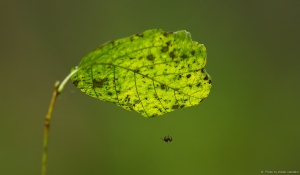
point(248, 124)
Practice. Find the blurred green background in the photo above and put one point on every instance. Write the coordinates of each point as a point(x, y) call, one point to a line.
point(248, 124)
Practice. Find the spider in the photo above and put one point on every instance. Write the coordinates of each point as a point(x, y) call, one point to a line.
point(167, 139)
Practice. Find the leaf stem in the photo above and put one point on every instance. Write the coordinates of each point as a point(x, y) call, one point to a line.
point(58, 87)
point(63, 83)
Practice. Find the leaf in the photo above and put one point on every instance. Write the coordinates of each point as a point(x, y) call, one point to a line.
point(152, 73)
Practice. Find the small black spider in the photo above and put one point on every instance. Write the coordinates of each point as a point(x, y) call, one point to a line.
point(167, 139)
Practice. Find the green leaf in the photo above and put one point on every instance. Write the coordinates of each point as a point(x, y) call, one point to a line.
point(152, 73)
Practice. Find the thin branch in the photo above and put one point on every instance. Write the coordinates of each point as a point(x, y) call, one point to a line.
point(47, 126)
point(58, 88)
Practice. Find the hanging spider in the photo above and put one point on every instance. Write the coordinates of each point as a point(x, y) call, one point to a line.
point(167, 139)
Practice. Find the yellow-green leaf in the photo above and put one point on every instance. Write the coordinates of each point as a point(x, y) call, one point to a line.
point(152, 73)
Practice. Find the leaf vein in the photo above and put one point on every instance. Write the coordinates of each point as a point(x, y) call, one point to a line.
point(116, 84)
point(93, 82)
point(158, 96)
point(139, 95)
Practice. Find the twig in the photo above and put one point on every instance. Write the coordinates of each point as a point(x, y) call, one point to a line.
point(47, 126)
point(58, 88)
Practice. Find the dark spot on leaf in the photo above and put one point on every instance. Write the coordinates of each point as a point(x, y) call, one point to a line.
point(140, 58)
point(140, 35)
point(150, 57)
point(99, 84)
point(209, 81)
point(146, 98)
point(75, 82)
point(163, 86)
point(188, 76)
point(137, 101)
point(167, 33)
point(100, 47)
point(179, 76)
point(109, 93)
point(198, 84)
point(131, 58)
point(172, 55)
point(136, 71)
point(118, 92)
point(202, 70)
point(175, 107)
point(112, 42)
point(127, 98)
point(168, 43)
point(206, 77)
point(183, 56)
point(181, 106)
point(164, 49)
point(193, 52)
